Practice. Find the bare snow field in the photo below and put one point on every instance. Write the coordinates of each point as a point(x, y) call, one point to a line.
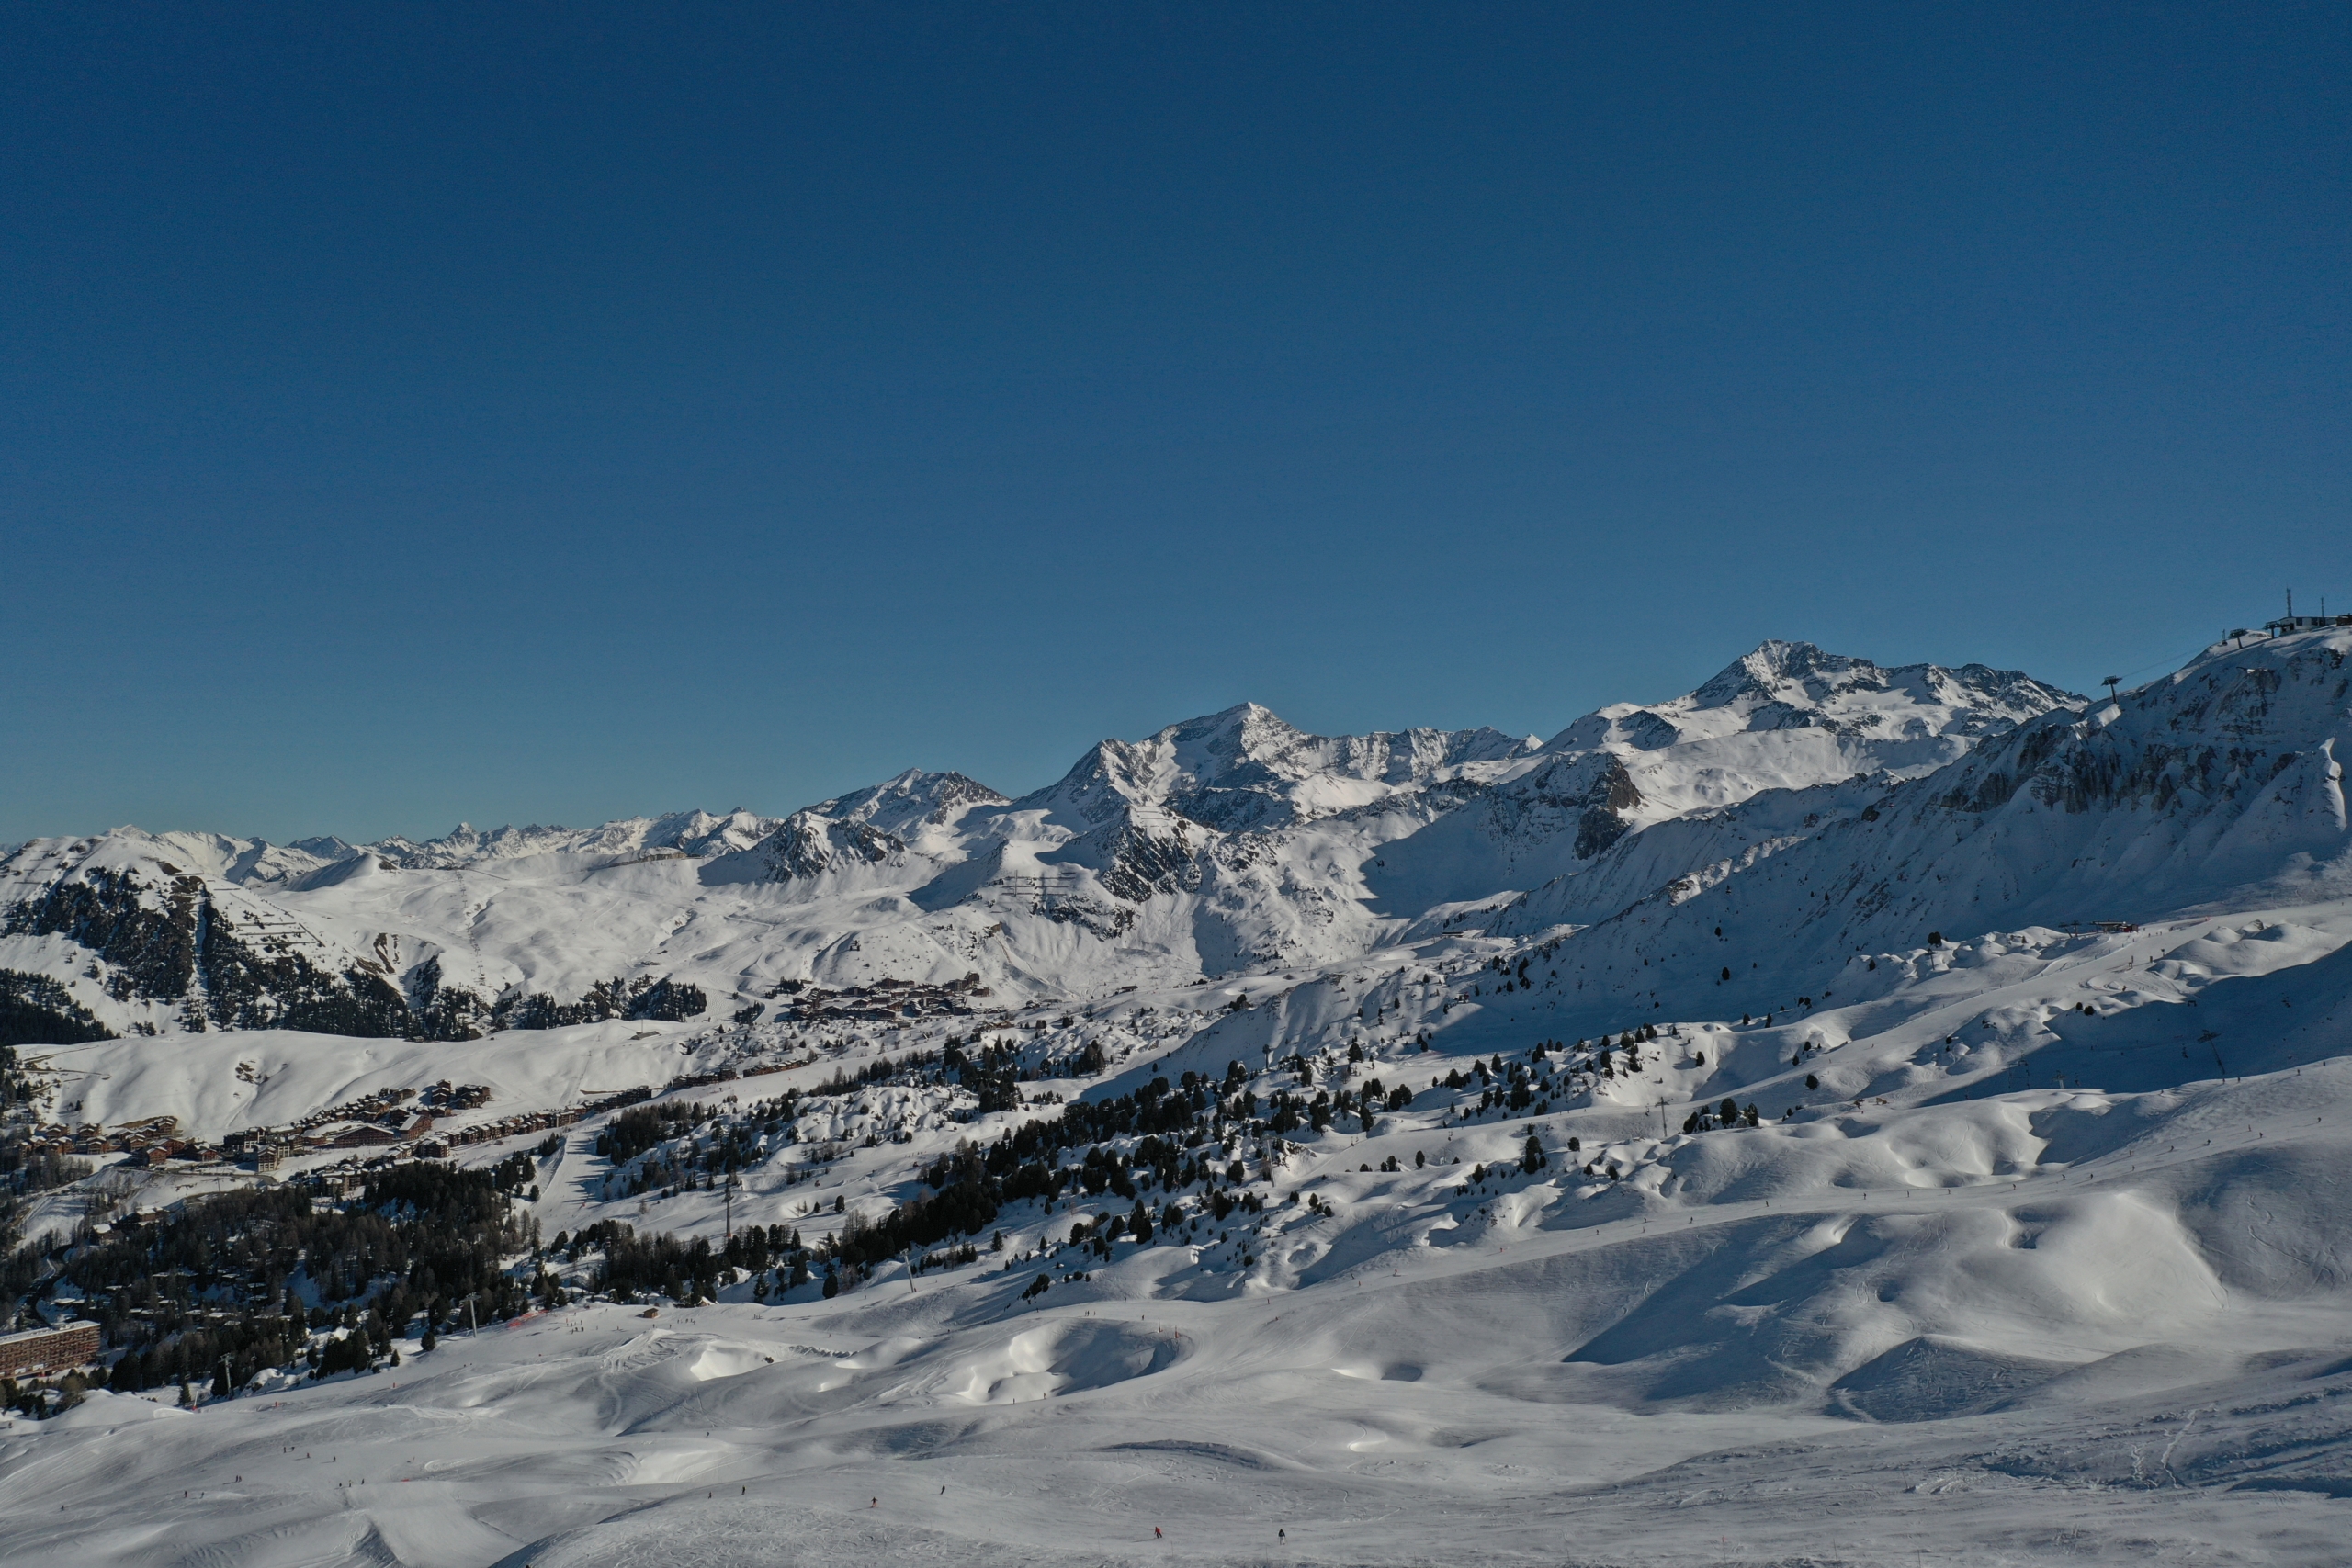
point(1065, 1437)
point(1926, 1142)
point(2039, 1325)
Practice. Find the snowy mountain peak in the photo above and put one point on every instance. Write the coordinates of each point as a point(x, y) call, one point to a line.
point(1785, 720)
point(1770, 666)
point(694, 834)
point(874, 826)
point(914, 796)
point(1222, 843)
point(2219, 784)
point(1797, 685)
point(1247, 770)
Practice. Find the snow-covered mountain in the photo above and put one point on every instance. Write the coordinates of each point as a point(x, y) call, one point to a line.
point(2220, 786)
point(881, 824)
point(1246, 770)
point(681, 832)
point(1786, 717)
point(1225, 844)
point(1844, 1138)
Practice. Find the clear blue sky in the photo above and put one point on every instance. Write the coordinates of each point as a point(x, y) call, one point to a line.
point(415, 413)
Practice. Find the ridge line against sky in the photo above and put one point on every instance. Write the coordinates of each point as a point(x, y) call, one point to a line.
point(566, 414)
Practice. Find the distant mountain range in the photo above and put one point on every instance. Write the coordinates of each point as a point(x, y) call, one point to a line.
point(1227, 843)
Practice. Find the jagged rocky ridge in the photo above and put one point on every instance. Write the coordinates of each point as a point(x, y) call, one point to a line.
point(2216, 787)
point(1225, 844)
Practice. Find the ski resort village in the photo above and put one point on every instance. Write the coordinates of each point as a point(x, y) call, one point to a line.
point(1845, 1114)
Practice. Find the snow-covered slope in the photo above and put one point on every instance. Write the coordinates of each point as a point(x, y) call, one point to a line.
point(1786, 717)
point(1245, 770)
point(684, 832)
point(1905, 721)
point(2064, 1293)
point(1803, 1174)
point(1224, 844)
point(2219, 787)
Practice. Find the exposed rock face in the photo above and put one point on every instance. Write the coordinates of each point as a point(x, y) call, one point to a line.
point(1223, 842)
point(2219, 783)
point(869, 827)
point(169, 942)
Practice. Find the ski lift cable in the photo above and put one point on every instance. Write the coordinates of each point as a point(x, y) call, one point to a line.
point(2175, 662)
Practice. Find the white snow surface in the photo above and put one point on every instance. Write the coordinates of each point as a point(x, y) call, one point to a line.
point(1219, 846)
point(2037, 1252)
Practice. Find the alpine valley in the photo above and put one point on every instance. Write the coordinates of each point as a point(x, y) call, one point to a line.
point(1845, 1114)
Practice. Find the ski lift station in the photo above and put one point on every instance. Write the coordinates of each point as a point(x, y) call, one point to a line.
point(2292, 622)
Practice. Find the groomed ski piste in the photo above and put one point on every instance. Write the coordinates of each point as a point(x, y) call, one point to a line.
point(1740, 1224)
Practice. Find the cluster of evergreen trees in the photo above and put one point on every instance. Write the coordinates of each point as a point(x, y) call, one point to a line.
point(1513, 1086)
point(1179, 1130)
point(150, 946)
point(221, 1286)
point(664, 1000)
point(684, 1270)
point(993, 1074)
point(209, 1291)
point(712, 1145)
point(442, 1011)
point(168, 943)
point(1728, 1115)
point(37, 1010)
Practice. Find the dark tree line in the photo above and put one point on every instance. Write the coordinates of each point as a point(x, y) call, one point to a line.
point(682, 1270)
point(159, 942)
point(215, 1289)
point(37, 1010)
point(1179, 1129)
